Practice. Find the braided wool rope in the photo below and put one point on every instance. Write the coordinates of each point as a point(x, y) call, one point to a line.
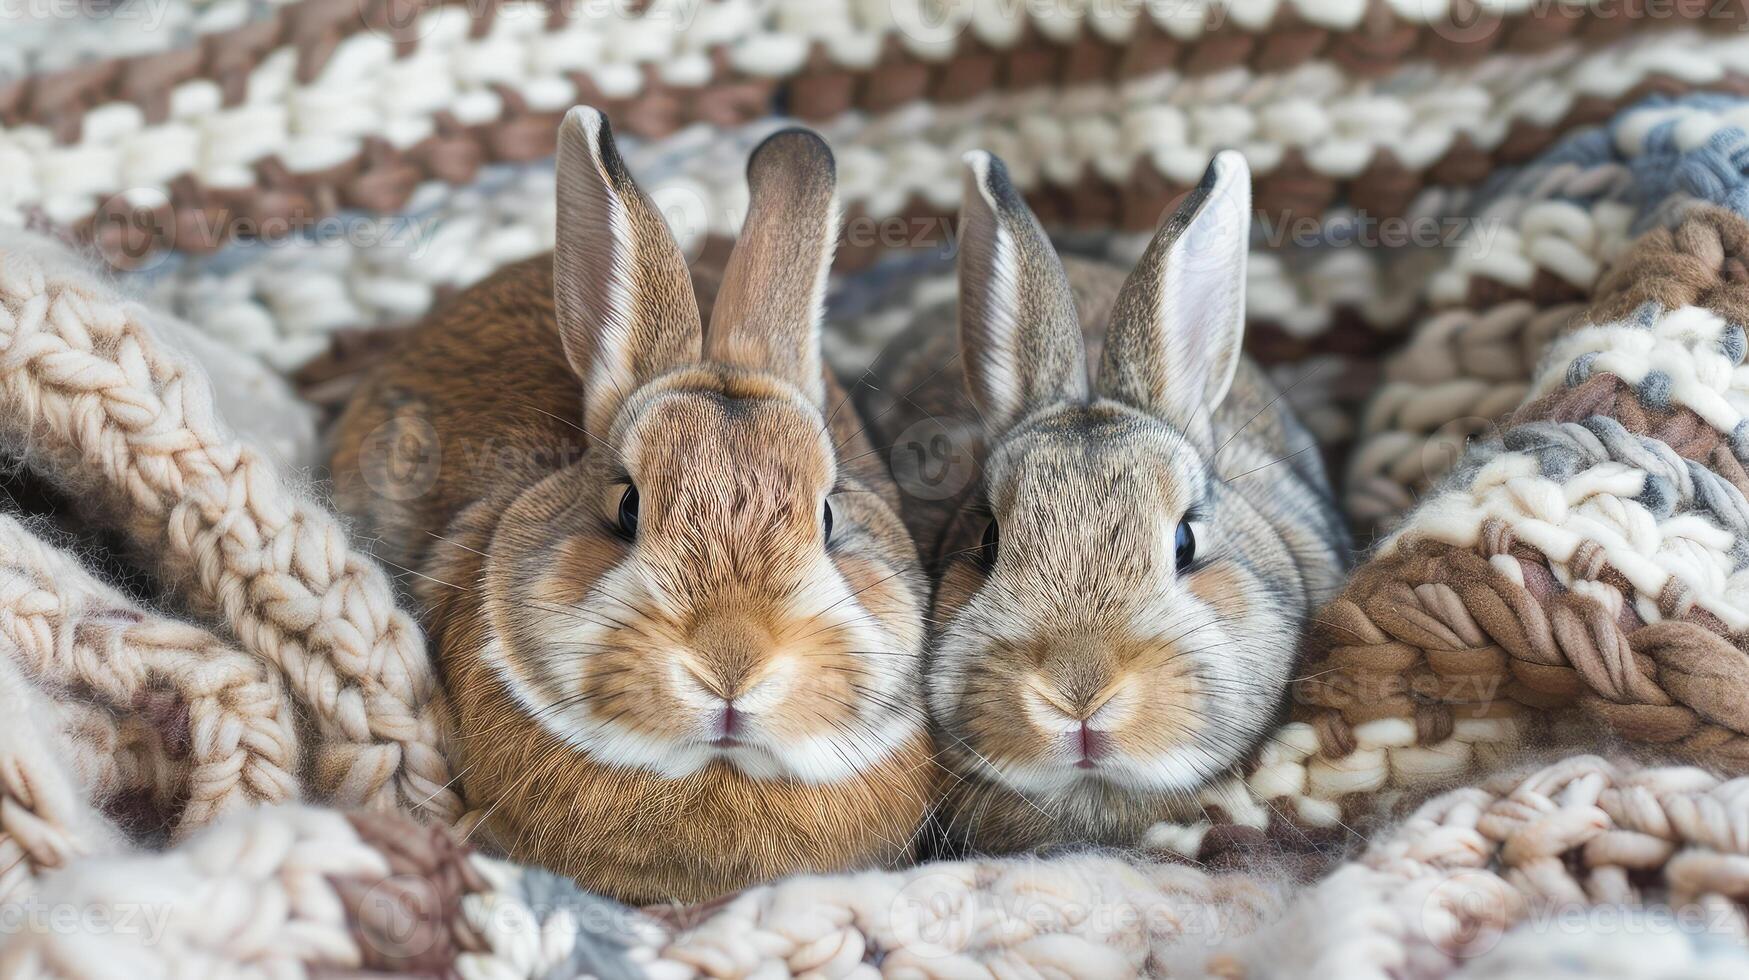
point(1085, 915)
point(267, 894)
point(47, 783)
point(1517, 849)
point(229, 740)
point(291, 891)
point(1455, 889)
point(96, 399)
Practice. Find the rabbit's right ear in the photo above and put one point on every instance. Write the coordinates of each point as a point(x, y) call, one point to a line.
point(1019, 335)
point(767, 315)
point(1178, 323)
point(624, 300)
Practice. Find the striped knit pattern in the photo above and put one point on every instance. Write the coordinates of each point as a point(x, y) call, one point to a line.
point(1560, 456)
point(1542, 239)
point(1542, 869)
point(1592, 553)
point(374, 142)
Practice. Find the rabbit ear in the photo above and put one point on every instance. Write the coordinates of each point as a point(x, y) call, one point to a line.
point(624, 301)
point(767, 314)
point(1019, 335)
point(1178, 323)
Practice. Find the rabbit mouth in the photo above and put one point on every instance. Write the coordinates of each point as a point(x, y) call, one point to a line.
point(724, 739)
point(739, 746)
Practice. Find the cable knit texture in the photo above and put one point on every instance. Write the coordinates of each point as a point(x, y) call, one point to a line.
point(94, 398)
point(246, 774)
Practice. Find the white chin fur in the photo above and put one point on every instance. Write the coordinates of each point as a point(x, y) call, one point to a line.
point(1180, 770)
point(826, 758)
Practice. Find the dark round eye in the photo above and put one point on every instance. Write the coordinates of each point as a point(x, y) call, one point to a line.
point(987, 548)
point(1186, 544)
point(827, 519)
point(628, 513)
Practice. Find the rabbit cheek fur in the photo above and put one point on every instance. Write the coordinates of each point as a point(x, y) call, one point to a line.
point(1084, 682)
point(724, 692)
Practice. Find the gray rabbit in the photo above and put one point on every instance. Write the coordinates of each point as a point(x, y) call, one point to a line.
point(1122, 581)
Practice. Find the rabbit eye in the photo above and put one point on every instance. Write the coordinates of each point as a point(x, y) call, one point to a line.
point(987, 548)
point(1186, 545)
point(827, 519)
point(628, 513)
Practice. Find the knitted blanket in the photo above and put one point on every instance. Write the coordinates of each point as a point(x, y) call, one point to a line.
point(1517, 736)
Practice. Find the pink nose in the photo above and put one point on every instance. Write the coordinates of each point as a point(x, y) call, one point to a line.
point(1093, 745)
point(729, 724)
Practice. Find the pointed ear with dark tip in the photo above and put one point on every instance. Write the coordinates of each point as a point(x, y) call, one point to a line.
point(1019, 336)
point(768, 312)
point(1178, 323)
point(625, 305)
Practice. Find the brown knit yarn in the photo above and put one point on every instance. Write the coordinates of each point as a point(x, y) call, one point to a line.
point(1430, 628)
point(410, 921)
point(382, 177)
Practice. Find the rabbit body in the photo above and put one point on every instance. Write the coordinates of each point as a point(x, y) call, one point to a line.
point(677, 616)
point(1124, 570)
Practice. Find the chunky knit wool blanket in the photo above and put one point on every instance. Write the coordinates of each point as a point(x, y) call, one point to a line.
point(1502, 269)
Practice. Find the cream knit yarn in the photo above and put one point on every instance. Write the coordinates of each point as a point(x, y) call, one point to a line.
point(98, 401)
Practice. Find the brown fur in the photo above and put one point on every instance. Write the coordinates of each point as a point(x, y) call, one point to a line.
point(643, 839)
point(490, 456)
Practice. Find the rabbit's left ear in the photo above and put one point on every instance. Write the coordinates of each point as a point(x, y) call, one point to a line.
point(1176, 329)
point(621, 292)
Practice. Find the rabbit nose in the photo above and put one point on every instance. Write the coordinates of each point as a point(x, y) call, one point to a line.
point(728, 724)
point(1092, 743)
point(1088, 706)
point(1081, 720)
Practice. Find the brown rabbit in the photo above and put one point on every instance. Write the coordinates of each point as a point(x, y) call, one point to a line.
point(1122, 581)
point(678, 616)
